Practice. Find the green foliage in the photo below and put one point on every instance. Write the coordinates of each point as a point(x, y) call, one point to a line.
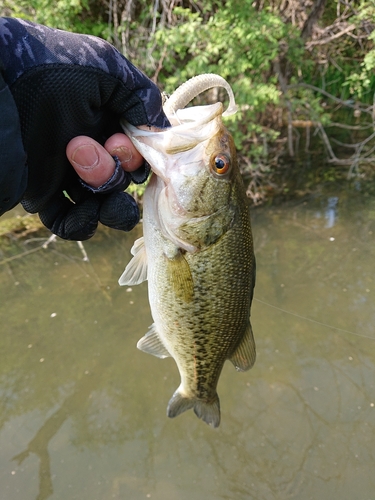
point(348, 69)
point(257, 46)
point(363, 82)
point(60, 14)
point(70, 15)
point(307, 105)
point(238, 42)
point(224, 43)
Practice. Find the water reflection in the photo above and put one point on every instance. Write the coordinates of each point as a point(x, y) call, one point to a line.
point(74, 403)
point(82, 412)
point(331, 211)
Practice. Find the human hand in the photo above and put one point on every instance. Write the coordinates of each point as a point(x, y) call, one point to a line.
point(66, 86)
point(95, 164)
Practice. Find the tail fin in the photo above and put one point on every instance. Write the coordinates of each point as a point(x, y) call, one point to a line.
point(208, 412)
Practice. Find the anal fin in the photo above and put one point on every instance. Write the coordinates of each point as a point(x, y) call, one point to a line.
point(152, 344)
point(244, 356)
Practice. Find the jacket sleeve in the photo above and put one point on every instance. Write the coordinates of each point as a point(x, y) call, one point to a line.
point(13, 170)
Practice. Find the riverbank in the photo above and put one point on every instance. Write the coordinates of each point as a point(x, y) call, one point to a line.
point(292, 181)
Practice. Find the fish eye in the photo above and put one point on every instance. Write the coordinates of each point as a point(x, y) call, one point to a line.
point(221, 164)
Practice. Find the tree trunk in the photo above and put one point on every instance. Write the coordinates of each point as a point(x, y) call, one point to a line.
point(314, 16)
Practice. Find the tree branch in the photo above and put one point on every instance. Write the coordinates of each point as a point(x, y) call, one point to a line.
point(324, 41)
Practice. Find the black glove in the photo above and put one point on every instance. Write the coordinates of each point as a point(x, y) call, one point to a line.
point(65, 85)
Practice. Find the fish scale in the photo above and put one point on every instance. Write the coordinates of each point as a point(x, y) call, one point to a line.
point(197, 255)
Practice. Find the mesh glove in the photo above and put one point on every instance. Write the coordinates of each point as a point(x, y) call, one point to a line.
point(64, 85)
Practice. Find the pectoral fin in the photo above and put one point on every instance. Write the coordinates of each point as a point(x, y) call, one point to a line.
point(152, 344)
point(205, 231)
point(180, 277)
point(136, 271)
point(243, 357)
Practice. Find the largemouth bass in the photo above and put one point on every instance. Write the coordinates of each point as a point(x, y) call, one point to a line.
point(196, 252)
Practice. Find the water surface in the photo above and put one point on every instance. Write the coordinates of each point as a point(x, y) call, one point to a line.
point(83, 412)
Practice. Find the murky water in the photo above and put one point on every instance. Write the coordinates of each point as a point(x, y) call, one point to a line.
point(82, 411)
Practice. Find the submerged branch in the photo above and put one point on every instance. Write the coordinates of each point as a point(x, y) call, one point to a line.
point(23, 254)
point(332, 155)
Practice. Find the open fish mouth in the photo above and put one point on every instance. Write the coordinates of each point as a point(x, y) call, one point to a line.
point(190, 126)
point(188, 136)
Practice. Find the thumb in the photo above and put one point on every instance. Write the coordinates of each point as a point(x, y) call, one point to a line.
point(90, 160)
point(95, 164)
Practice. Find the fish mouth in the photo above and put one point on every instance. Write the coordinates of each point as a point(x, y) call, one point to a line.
point(162, 149)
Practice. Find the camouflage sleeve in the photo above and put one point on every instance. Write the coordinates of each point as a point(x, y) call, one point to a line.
point(26, 46)
point(13, 172)
point(64, 85)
